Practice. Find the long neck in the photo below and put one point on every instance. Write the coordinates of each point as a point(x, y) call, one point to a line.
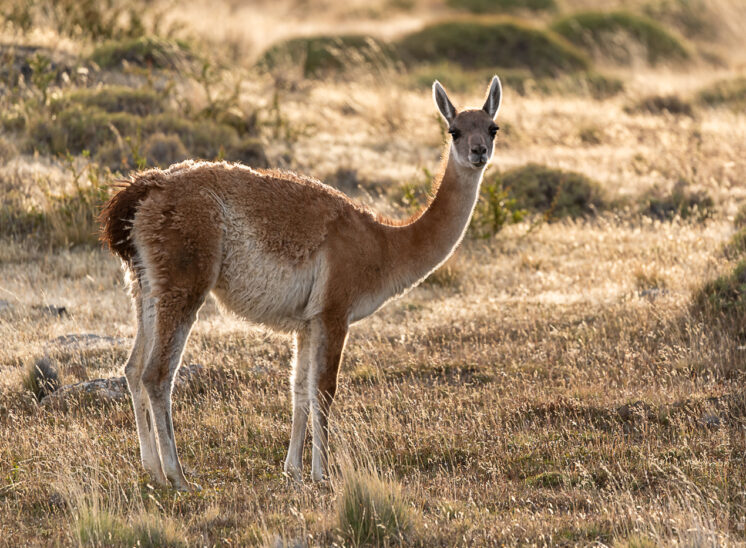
point(422, 245)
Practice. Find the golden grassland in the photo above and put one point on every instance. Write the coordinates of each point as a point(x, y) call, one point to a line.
point(554, 383)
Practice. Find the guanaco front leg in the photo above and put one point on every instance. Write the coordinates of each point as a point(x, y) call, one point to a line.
point(329, 337)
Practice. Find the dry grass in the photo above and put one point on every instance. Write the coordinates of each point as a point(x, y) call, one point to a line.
point(554, 384)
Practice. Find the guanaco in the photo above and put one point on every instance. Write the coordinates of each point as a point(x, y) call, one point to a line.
point(281, 250)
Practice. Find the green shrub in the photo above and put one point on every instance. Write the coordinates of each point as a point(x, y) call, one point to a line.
point(78, 128)
point(499, 6)
point(141, 102)
point(163, 150)
point(729, 93)
point(125, 128)
point(553, 192)
point(658, 104)
point(202, 138)
point(322, 55)
point(145, 51)
point(681, 202)
point(598, 33)
point(372, 511)
point(495, 209)
point(86, 19)
point(484, 44)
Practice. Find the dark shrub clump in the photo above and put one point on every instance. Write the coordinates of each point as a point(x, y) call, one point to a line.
point(658, 104)
point(500, 6)
point(507, 44)
point(553, 192)
point(728, 93)
point(599, 32)
point(681, 202)
point(323, 55)
point(145, 51)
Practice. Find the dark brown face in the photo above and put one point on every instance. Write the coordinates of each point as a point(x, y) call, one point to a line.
point(473, 133)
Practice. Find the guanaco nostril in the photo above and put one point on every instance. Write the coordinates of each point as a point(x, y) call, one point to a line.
point(479, 149)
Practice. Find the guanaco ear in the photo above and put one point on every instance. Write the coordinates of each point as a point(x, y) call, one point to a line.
point(443, 103)
point(494, 98)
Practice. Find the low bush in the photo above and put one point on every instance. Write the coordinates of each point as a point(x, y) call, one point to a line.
point(86, 19)
point(163, 150)
point(619, 36)
point(141, 101)
point(728, 93)
point(553, 192)
point(124, 128)
point(723, 300)
point(679, 202)
point(490, 44)
point(77, 128)
point(144, 51)
point(501, 6)
point(659, 104)
point(495, 209)
point(323, 55)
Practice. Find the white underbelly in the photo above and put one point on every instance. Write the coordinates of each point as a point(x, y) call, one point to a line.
point(265, 289)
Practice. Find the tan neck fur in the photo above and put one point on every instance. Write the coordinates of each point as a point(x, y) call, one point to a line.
point(424, 243)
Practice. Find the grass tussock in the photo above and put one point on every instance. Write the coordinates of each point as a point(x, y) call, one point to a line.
point(505, 43)
point(621, 37)
point(553, 193)
point(40, 378)
point(99, 527)
point(372, 511)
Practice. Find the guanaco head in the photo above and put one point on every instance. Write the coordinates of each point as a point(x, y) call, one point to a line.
point(472, 131)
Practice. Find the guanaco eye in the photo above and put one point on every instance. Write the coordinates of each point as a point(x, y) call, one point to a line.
point(454, 133)
point(493, 131)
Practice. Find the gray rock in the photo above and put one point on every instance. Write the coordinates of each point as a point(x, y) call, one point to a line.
point(110, 390)
point(85, 341)
point(710, 420)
